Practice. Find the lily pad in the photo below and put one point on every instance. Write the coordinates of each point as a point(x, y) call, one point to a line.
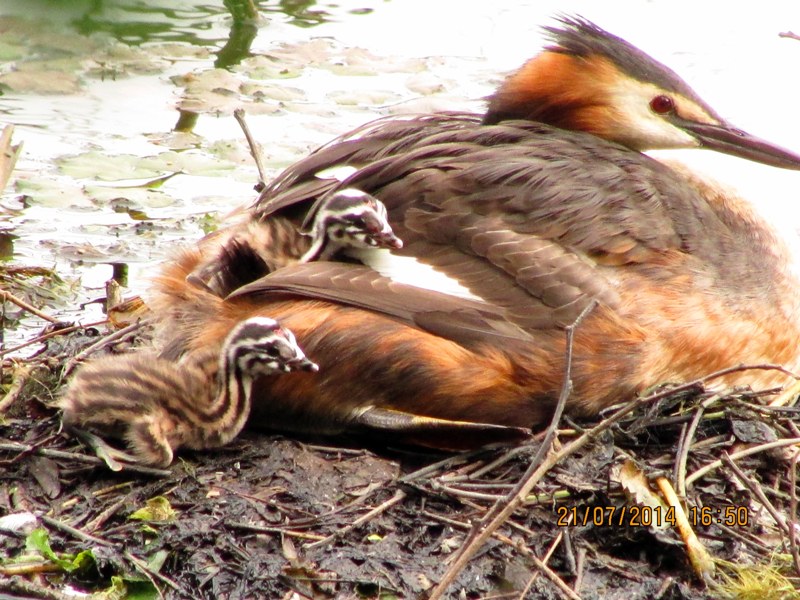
point(280, 93)
point(267, 67)
point(99, 165)
point(364, 98)
point(135, 197)
point(43, 81)
point(190, 162)
point(52, 193)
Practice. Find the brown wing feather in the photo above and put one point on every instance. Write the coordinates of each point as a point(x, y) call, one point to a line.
point(580, 190)
point(534, 219)
point(458, 319)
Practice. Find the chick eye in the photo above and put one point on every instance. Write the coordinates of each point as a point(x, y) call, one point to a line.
point(662, 105)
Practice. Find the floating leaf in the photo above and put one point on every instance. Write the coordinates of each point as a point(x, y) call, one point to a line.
point(40, 82)
point(52, 193)
point(105, 167)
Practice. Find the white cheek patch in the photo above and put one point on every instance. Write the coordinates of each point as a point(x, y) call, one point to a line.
point(407, 270)
point(647, 129)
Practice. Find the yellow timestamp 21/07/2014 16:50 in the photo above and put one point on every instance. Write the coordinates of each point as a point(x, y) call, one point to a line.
point(730, 515)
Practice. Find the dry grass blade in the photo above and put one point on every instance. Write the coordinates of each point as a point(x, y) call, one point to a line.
point(8, 155)
point(700, 559)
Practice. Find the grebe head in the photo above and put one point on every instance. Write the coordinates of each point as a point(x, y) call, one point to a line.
point(590, 80)
point(260, 345)
point(348, 218)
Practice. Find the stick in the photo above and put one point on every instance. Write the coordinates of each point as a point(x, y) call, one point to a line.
point(105, 341)
point(497, 515)
point(47, 336)
point(399, 495)
point(9, 297)
point(93, 460)
point(255, 149)
point(741, 454)
point(76, 533)
point(793, 513)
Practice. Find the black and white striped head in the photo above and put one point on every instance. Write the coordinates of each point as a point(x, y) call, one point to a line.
point(348, 218)
point(261, 346)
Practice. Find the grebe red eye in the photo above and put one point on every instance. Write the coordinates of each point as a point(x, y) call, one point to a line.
point(662, 105)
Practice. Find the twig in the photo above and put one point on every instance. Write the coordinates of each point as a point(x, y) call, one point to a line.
point(756, 546)
point(456, 459)
point(21, 588)
point(496, 516)
point(553, 545)
point(541, 564)
point(498, 462)
point(580, 568)
point(47, 336)
point(793, 512)
point(282, 531)
point(151, 574)
point(99, 345)
point(555, 579)
point(337, 451)
point(106, 514)
point(458, 493)
point(399, 495)
point(32, 448)
point(741, 454)
point(255, 149)
point(687, 435)
point(9, 297)
point(758, 493)
point(93, 460)
point(76, 533)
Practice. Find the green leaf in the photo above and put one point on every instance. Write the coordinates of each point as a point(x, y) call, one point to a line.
point(155, 509)
point(141, 590)
point(39, 541)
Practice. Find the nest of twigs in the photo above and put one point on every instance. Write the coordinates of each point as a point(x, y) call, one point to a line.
point(688, 492)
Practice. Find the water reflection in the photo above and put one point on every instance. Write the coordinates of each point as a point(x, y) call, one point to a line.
point(243, 31)
point(139, 21)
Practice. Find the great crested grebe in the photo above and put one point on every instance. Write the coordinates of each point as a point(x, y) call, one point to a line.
point(528, 214)
point(161, 405)
point(345, 219)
